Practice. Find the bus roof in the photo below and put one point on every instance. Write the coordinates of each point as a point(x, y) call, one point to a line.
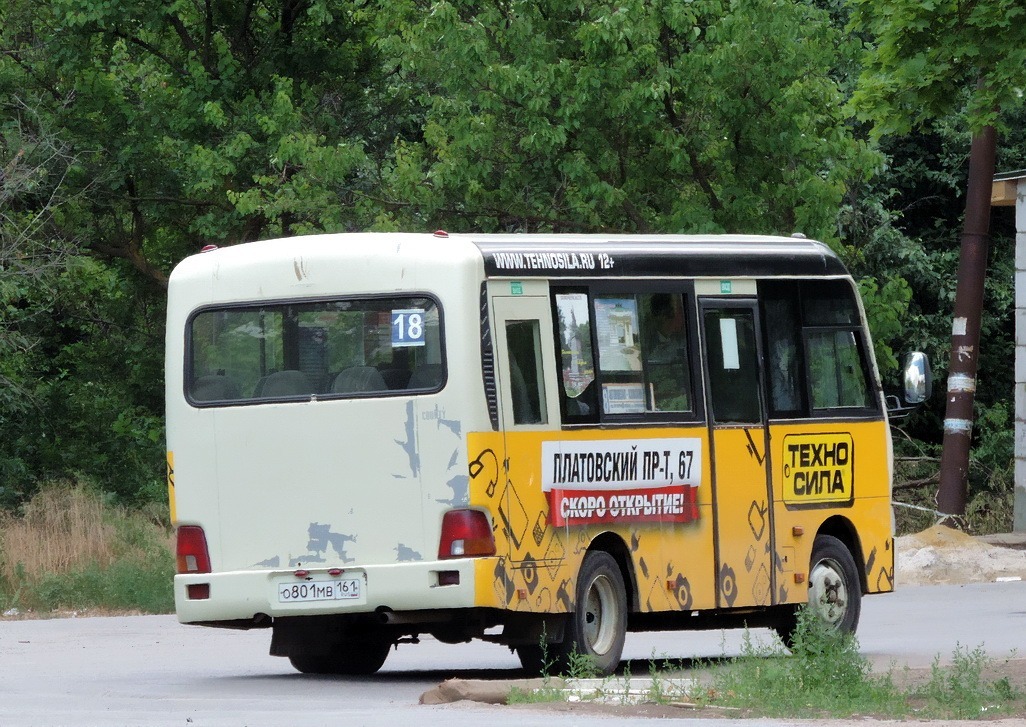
point(653, 255)
point(275, 267)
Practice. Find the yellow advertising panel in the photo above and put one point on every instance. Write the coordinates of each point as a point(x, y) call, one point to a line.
point(818, 468)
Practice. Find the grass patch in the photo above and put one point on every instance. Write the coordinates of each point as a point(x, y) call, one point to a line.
point(826, 676)
point(71, 549)
point(960, 691)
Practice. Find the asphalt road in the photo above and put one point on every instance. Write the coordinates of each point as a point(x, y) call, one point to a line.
point(150, 670)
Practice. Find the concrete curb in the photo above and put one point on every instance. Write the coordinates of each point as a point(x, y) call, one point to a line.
point(483, 690)
point(610, 690)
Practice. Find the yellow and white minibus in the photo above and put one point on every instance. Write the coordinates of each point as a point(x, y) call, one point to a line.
point(544, 441)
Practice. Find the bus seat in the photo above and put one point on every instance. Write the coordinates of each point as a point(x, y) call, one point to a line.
point(396, 379)
point(428, 376)
point(357, 379)
point(285, 383)
point(214, 387)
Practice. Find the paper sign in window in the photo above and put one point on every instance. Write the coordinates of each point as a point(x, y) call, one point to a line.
point(728, 341)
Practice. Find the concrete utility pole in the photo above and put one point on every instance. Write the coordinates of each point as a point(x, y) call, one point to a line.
point(1010, 189)
point(965, 331)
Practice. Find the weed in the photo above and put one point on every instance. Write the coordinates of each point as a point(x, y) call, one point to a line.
point(825, 674)
point(625, 691)
point(580, 666)
point(535, 696)
point(72, 549)
point(655, 689)
point(959, 690)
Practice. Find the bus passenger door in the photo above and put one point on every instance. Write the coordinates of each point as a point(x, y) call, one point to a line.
point(524, 361)
point(742, 497)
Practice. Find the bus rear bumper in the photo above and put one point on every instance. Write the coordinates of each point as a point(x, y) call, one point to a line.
point(238, 597)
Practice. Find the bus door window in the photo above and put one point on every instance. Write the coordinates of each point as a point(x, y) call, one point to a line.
point(523, 340)
point(733, 362)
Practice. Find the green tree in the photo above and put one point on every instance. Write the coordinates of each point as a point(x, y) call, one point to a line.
point(132, 134)
point(926, 60)
point(635, 116)
point(930, 59)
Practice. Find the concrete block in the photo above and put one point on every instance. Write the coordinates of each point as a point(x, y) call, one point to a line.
point(1019, 501)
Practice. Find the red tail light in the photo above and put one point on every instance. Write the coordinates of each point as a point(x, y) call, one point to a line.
point(191, 550)
point(465, 533)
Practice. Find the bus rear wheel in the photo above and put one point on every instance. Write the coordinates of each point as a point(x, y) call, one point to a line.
point(598, 627)
point(349, 658)
point(835, 591)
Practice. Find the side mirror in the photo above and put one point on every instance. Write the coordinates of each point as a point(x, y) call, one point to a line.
point(918, 379)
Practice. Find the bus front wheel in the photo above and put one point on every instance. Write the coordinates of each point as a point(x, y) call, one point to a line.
point(835, 591)
point(598, 627)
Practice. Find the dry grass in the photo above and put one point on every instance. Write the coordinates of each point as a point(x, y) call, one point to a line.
point(69, 548)
point(62, 528)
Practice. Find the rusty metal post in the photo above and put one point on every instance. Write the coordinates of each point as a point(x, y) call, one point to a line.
point(965, 331)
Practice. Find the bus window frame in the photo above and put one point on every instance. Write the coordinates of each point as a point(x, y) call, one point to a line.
point(188, 364)
point(600, 288)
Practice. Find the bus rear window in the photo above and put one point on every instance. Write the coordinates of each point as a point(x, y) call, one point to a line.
point(327, 349)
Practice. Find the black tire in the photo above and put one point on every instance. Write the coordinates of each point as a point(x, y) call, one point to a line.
point(835, 590)
point(351, 658)
point(532, 659)
point(598, 626)
point(312, 663)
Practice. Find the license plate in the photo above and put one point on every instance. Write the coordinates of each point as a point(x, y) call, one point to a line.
point(338, 589)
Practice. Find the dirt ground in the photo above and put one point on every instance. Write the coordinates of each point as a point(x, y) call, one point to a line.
point(943, 555)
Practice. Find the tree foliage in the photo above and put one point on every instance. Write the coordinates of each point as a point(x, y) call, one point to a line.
point(133, 133)
point(931, 56)
point(631, 116)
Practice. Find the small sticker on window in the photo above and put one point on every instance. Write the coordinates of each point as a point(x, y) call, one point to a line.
point(408, 327)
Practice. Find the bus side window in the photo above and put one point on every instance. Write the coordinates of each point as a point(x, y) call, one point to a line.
point(835, 348)
point(526, 383)
point(836, 372)
point(665, 353)
point(577, 364)
point(640, 344)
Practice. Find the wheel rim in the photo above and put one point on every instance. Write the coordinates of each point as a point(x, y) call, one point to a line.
point(600, 615)
point(828, 591)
